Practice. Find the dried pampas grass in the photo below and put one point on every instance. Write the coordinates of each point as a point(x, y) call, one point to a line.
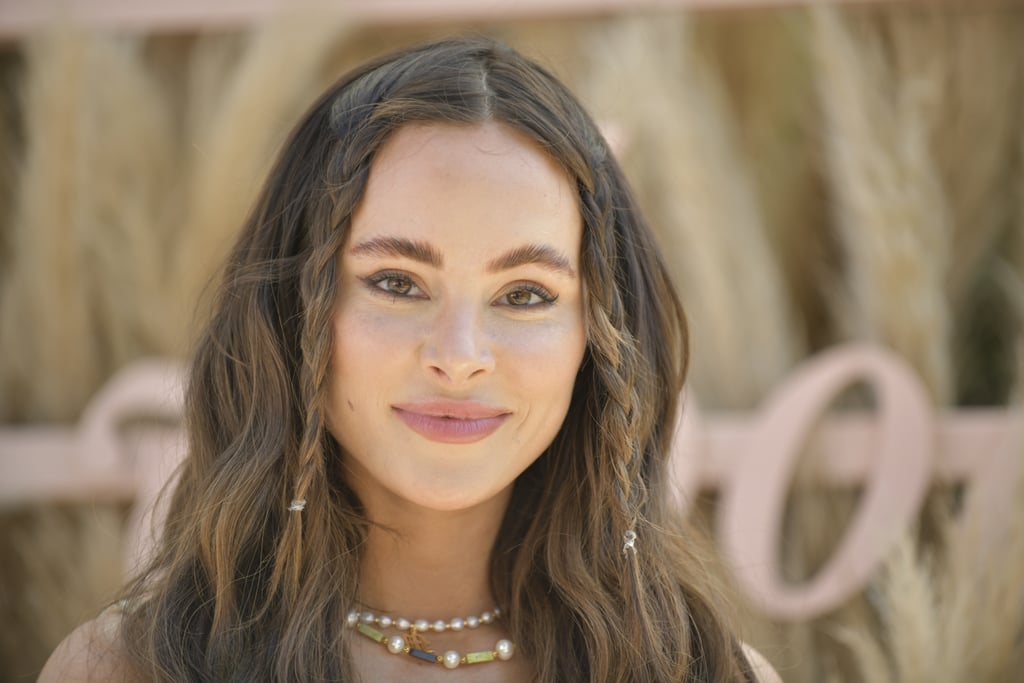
point(683, 154)
point(49, 369)
point(10, 150)
point(977, 120)
point(58, 565)
point(243, 106)
point(764, 60)
point(76, 298)
point(972, 142)
point(952, 615)
point(891, 213)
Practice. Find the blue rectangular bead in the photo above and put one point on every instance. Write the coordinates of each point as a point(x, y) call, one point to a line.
point(425, 656)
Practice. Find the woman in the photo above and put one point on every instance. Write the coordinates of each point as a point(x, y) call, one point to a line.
point(429, 419)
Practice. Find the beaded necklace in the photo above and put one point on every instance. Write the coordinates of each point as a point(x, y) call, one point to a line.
point(415, 645)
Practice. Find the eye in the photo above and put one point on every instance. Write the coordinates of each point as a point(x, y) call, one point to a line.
point(527, 296)
point(393, 284)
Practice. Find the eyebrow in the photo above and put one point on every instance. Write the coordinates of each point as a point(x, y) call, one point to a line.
point(539, 254)
point(400, 246)
point(423, 252)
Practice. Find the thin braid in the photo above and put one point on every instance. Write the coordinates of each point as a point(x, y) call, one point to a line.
point(612, 341)
point(620, 375)
point(318, 283)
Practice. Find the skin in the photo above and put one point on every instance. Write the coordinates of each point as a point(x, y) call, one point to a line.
point(459, 322)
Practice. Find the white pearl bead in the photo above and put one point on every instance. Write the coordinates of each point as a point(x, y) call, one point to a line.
point(451, 659)
point(367, 617)
point(472, 622)
point(505, 648)
point(396, 644)
point(384, 621)
point(486, 618)
point(403, 624)
point(352, 619)
point(422, 625)
point(440, 625)
point(457, 624)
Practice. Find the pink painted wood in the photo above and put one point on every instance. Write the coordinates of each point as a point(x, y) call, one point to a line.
point(898, 471)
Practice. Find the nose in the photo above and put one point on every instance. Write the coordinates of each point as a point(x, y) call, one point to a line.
point(456, 349)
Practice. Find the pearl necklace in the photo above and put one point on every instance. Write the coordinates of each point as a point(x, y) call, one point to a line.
point(423, 625)
point(415, 645)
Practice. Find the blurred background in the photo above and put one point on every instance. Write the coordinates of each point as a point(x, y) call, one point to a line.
point(817, 175)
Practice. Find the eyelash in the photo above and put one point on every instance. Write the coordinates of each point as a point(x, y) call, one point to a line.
point(374, 281)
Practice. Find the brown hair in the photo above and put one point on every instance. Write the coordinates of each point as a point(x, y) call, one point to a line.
point(242, 590)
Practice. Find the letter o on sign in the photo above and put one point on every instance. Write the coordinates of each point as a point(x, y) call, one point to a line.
point(753, 503)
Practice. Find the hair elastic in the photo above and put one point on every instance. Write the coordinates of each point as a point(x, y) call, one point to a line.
point(630, 544)
point(297, 505)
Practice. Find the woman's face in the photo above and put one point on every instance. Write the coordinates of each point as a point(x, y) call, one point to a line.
point(459, 326)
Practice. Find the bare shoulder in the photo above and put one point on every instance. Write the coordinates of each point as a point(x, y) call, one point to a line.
point(91, 653)
point(765, 672)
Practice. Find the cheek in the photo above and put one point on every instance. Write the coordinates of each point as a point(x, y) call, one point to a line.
point(546, 356)
point(365, 348)
point(362, 337)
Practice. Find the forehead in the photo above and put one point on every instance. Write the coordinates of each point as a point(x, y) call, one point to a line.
point(461, 183)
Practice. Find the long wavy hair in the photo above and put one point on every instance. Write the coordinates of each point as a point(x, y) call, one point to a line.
point(241, 590)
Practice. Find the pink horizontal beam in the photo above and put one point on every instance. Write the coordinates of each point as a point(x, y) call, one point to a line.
point(39, 464)
point(841, 450)
point(19, 17)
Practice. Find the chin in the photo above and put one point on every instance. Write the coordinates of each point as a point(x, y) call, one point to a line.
point(455, 499)
point(449, 503)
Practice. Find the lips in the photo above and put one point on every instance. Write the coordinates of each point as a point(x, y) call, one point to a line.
point(456, 422)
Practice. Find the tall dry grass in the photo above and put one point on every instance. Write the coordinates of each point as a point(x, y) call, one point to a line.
point(765, 65)
point(952, 614)
point(892, 216)
point(10, 150)
point(243, 100)
point(977, 52)
point(80, 298)
point(979, 58)
point(683, 157)
point(58, 565)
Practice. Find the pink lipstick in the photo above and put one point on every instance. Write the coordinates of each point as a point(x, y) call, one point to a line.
point(457, 422)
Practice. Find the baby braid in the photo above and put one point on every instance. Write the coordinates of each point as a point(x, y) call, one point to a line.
point(617, 365)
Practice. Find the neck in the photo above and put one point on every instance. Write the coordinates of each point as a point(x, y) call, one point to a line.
point(430, 564)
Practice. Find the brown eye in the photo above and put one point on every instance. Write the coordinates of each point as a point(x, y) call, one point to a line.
point(520, 297)
point(397, 285)
point(527, 296)
point(394, 285)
